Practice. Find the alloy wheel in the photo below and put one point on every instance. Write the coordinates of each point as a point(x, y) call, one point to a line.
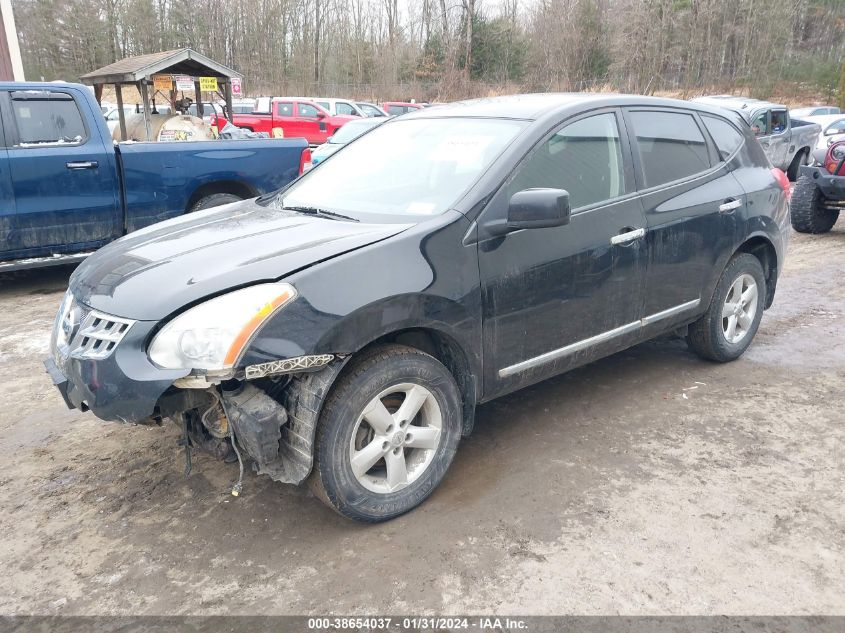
point(395, 438)
point(739, 309)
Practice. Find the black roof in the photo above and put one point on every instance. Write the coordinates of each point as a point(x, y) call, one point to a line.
point(539, 105)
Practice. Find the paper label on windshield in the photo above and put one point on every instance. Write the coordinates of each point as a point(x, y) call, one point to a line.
point(465, 150)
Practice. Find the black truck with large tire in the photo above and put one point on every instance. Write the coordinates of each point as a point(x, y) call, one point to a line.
point(819, 194)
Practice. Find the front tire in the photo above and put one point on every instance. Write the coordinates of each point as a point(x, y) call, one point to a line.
point(731, 321)
point(387, 434)
point(807, 211)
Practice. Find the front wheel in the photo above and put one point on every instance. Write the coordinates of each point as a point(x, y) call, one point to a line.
point(807, 209)
point(387, 434)
point(731, 321)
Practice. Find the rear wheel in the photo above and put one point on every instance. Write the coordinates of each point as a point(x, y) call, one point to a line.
point(387, 434)
point(731, 321)
point(801, 158)
point(807, 210)
point(214, 200)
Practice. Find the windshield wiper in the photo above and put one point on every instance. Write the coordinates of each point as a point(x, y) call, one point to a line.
point(323, 213)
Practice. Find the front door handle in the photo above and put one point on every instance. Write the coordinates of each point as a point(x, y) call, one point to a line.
point(729, 206)
point(82, 164)
point(629, 236)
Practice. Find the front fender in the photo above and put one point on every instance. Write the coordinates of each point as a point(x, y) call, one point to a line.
point(421, 278)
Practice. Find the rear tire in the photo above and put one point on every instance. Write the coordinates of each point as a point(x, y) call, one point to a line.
point(807, 211)
point(214, 200)
point(726, 330)
point(386, 435)
point(801, 158)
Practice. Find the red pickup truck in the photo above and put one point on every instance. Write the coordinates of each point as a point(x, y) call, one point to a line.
point(298, 118)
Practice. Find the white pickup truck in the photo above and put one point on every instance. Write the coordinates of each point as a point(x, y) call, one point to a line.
point(786, 141)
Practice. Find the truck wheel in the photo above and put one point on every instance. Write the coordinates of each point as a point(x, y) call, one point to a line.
point(214, 200)
point(801, 158)
point(807, 210)
point(386, 435)
point(730, 323)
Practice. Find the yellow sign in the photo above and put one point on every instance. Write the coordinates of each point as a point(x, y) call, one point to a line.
point(208, 84)
point(162, 82)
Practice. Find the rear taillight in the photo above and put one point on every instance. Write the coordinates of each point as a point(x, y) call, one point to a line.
point(783, 181)
point(305, 161)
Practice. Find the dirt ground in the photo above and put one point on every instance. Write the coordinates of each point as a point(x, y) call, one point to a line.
point(648, 483)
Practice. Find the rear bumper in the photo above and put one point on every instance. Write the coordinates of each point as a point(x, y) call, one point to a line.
point(124, 387)
point(831, 186)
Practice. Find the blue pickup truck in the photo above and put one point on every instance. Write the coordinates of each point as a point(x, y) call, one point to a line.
point(67, 189)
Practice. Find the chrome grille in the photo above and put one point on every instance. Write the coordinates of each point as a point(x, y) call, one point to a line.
point(80, 332)
point(98, 335)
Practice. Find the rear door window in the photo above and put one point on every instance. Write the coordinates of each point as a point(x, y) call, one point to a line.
point(671, 146)
point(396, 110)
point(583, 157)
point(47, 118)
point(284, 109)
point(726, 137)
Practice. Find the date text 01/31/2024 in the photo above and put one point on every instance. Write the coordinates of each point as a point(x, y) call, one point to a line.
point(415, 623)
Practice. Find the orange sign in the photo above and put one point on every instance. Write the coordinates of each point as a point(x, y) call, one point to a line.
point(162, 82)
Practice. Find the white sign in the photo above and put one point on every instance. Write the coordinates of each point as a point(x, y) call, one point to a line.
point(184, 82)
point(236, 87)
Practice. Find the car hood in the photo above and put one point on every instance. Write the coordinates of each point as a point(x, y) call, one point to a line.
point(156, 271)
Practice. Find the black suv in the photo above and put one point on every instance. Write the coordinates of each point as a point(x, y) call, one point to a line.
point(343, 329)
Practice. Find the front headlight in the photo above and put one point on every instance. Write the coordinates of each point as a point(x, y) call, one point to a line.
point(212, 335)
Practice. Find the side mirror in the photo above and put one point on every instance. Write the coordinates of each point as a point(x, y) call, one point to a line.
point(538, 209)
point(321, 115)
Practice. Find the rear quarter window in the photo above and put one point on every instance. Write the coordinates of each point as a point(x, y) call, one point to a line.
point(726, 137)
point(671, 146)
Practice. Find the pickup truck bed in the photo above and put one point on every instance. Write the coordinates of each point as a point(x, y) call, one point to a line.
point(66, 189)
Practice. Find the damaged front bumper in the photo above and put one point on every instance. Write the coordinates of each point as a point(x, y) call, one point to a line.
point(120, 384)
point(271, 408)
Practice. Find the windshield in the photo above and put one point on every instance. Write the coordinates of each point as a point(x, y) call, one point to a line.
point(411, 167)
point(351, 131)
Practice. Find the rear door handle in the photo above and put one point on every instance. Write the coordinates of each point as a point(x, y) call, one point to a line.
point(729, 206)
point(82, 164)
point(630, 236)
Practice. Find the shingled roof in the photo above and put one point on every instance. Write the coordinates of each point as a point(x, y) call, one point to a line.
point(181, 61)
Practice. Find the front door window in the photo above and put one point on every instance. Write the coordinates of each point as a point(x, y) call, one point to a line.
point(584, 158)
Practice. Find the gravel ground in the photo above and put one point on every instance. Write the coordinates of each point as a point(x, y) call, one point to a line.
point(647, 483)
